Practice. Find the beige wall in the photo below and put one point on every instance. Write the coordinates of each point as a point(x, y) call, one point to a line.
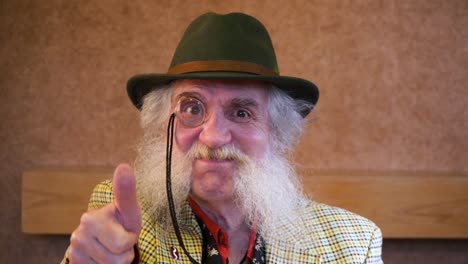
point(392, 74)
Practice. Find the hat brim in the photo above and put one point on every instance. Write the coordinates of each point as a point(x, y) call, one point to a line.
point(140, 85)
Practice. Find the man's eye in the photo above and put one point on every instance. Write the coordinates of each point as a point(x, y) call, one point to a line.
point(190, 112)
point(192, 109)
point(190, 106)
point(242, 115)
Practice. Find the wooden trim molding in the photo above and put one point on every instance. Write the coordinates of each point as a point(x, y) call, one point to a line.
point(403, 204)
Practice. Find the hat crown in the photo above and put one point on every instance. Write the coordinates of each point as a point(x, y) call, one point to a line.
point(234, 46)
point(230, 37)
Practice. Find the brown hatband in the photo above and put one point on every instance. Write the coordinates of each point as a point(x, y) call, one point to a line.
point(221, 65)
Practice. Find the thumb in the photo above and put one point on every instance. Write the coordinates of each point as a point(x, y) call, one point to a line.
point(125, 198)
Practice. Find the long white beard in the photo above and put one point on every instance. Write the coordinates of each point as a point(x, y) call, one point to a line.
point(267, 191)
point(270, 191)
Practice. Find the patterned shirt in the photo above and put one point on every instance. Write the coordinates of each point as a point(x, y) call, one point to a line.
point(216, 241)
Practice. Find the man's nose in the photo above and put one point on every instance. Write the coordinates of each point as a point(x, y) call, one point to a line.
point(216, 131)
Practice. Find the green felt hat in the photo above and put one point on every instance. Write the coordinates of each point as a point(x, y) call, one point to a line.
point(235, 46)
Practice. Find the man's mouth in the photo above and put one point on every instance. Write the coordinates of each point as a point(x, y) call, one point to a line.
point(215, 158)
point(212, 159)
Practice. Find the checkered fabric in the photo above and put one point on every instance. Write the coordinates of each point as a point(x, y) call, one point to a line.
point(336, 236)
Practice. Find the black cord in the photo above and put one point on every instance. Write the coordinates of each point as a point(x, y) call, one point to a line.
point(170, 199)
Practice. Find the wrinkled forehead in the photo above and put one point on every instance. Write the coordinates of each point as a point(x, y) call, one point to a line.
point(222, 90)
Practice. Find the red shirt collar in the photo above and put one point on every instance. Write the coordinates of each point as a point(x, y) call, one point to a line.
point(221, 236)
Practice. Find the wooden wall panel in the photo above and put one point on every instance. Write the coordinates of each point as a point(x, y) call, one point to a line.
point(53, 199)
point(403, 204)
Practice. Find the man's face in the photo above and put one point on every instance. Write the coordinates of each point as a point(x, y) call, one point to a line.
point(235, 114)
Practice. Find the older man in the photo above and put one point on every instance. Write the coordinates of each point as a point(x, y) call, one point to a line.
point(214, 183)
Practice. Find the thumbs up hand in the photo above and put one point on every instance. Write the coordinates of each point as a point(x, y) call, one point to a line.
point(108, 234)
point(128, 209)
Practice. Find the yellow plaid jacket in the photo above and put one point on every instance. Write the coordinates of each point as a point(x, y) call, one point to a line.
point(336, 236)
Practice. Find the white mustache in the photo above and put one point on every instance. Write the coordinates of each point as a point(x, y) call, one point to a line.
point(228, 152)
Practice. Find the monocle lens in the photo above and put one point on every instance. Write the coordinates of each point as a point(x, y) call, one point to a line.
point(190, 111)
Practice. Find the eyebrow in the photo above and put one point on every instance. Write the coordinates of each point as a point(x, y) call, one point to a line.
point(188, 94)
point(244, 102)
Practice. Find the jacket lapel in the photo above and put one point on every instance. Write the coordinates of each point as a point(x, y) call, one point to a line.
point(191, 235)
point(291, 246)
point(284, 252)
